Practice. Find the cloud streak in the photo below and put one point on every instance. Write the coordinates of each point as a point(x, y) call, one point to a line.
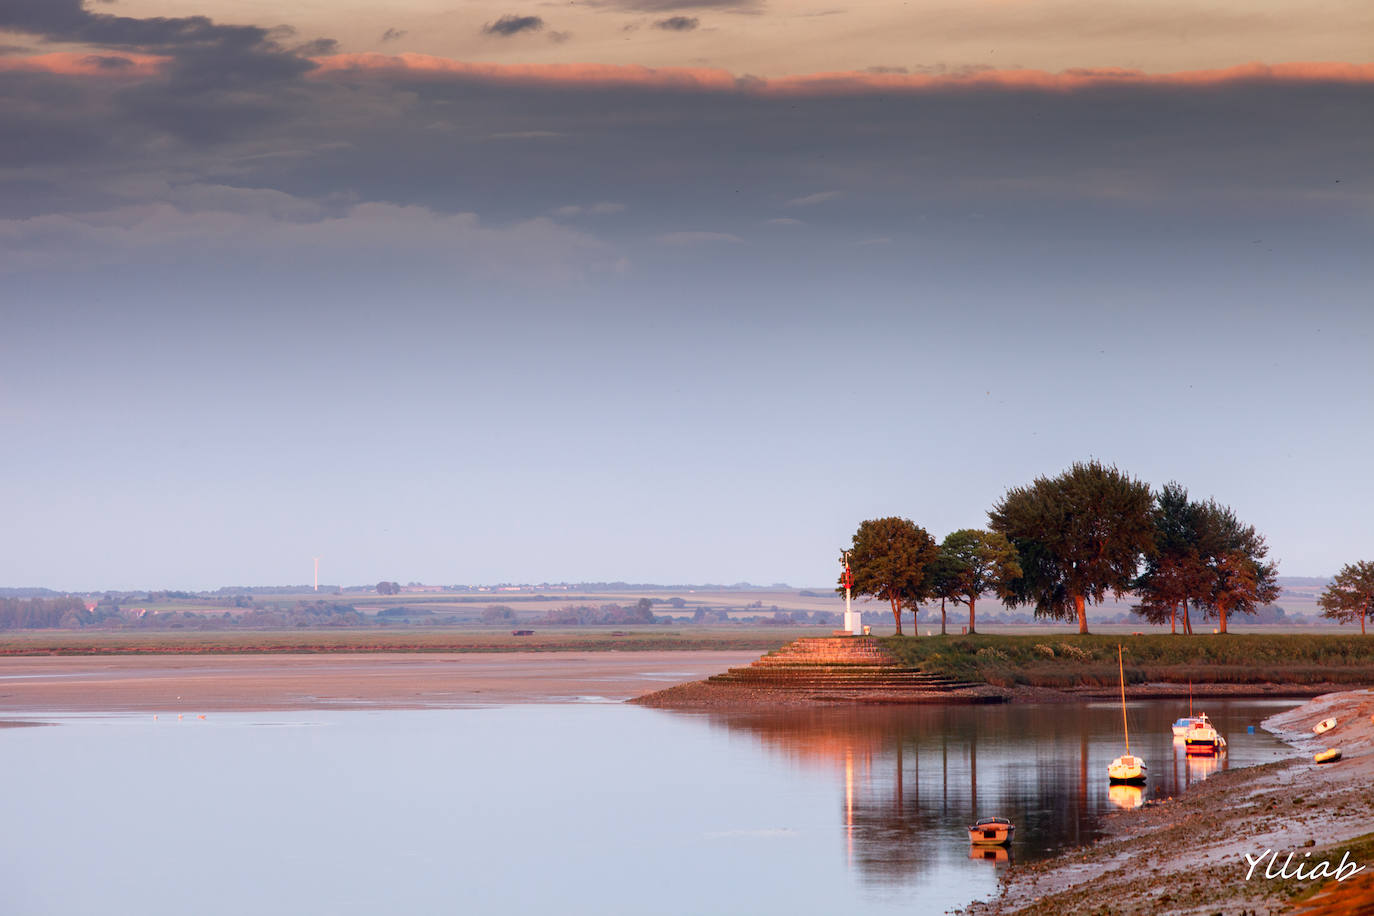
point(678, 23)
point(511, 24)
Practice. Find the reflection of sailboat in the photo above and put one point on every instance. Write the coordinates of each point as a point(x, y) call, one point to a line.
point(1126, 768)
point(1000, 855)
point(1202, 766)
point(1126, 796)
point(1202, 738)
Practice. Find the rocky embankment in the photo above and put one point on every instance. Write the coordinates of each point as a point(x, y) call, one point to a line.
point(1213, 849)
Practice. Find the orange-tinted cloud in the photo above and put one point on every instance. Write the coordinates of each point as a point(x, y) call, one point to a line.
point(421, 66)
point(424, 66)
point(705, 79)
point(106, 66)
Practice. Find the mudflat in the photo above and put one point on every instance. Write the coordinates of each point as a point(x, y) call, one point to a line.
point(198, 684)
point(1224, 846)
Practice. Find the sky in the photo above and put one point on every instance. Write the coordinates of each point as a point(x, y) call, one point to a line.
point(662, 291)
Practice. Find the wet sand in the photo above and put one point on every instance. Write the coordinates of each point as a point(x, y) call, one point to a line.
point(1186, 855)
point(196, 684)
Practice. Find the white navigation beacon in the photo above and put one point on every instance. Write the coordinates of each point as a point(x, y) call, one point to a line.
point(853, 620)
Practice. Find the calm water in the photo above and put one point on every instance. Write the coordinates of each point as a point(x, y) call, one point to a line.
point(591, 809)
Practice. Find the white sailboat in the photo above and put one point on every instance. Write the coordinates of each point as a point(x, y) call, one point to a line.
point(1127, 768)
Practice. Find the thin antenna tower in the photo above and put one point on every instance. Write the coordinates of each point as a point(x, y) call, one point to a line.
point(317, 574)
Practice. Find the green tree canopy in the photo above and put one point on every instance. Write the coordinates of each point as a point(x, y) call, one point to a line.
point(1077, 536)
point(889, 558)
point(972, 562)
point(1174, 569)
point(1350, 594)
point(1237, 576)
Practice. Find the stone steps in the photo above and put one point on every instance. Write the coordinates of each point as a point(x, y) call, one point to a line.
point(837, 663)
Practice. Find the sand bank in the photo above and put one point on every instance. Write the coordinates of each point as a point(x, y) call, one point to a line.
point(392, 680)
point(1186, 855)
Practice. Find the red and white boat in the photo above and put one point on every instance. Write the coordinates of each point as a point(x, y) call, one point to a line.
point(1203, 738)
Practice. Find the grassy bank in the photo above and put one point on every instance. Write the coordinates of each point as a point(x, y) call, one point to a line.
point(1060, 660)
point(448, 639)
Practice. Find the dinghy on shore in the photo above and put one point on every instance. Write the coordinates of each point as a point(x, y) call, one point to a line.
point(1325, 725)
point(1330, 755)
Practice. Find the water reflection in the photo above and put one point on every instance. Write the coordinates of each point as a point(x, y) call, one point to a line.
point(1126, 796)
point(913, 778)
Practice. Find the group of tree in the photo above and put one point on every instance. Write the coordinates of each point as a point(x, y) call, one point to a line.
point(897, 561)
point(1203, 558)
point(388, 588)
point(642, 611)
point(499, 614)
point(1064, 542)
point(43, 613)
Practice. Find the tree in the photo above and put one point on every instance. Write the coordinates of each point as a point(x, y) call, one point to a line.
point(388, 588)
point(942, 581)
point(498, 613)
point(1237, 578)
point(978, 561)
point(889, 558)
point(1174, 570)
point(1077, 536)
point(1350, 593)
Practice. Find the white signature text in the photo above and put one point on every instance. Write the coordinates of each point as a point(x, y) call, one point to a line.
point(1320, 869)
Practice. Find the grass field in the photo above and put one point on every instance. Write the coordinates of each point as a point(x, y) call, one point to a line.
point(1057, 659)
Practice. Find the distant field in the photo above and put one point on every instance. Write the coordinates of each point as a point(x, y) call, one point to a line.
point(409, 639)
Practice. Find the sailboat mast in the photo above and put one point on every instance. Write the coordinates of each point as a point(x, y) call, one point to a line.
point(1121, 669)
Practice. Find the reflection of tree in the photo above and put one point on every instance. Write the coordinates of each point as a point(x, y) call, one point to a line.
point(915, 777)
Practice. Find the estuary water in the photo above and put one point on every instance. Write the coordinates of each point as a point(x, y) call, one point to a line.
point(592, 808)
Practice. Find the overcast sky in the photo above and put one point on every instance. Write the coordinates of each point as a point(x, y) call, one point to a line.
point(650, 290)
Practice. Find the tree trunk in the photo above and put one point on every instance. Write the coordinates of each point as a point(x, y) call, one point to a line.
point(897, 614)
point(1221, 617)
point(1187, 618)
point(1364, 611)
point(942, 616)
point(1082, 608)
point(1173, 619)
point(972, 599)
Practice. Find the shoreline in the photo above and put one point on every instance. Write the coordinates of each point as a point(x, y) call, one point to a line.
point(705, 695)
point(1186, 855)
